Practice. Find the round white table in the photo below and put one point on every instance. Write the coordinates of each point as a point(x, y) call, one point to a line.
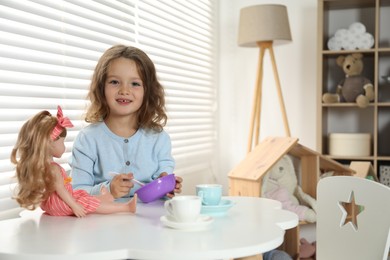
point(252, 226)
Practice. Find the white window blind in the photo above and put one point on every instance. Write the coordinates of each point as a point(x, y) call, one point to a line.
point(48, 50)
point(180, 37)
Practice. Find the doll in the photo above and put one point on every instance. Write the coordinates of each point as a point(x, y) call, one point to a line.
point(42, 182)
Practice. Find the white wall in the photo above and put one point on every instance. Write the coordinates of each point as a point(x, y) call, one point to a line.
point(296, 62)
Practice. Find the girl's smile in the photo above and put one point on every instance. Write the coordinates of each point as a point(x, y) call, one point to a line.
point(123, 101)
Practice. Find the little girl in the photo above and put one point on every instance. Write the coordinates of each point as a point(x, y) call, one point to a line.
point(43, 182)
point(127, 116)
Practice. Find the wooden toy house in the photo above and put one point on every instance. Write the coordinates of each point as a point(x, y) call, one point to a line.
point(246, 178)
point(364, 170)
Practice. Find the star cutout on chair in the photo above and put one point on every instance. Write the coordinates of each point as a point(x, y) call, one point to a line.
point(350, 211)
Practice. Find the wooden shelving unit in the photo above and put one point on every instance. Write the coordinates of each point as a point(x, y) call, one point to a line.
point(347, 117)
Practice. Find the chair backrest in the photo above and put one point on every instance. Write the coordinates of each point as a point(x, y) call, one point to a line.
point(342, 234)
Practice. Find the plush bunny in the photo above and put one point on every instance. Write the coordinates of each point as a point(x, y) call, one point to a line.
point(281, 183)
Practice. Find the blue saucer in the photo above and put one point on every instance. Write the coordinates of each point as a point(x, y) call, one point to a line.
point(217, 210)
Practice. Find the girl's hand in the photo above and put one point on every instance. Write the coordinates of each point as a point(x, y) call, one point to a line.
point(178, 185)
point(121, 185)
point(79, 210)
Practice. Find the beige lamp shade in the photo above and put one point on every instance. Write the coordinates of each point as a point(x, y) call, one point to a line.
point(263, 23)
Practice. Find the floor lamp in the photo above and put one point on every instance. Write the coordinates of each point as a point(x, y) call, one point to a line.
point(260, 26)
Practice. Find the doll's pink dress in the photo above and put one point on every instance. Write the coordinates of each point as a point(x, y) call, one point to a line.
point(55, 206)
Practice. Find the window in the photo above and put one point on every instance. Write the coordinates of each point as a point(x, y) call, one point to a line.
point(48, 50)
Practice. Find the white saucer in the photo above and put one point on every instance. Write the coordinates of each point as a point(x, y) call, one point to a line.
point(218, 210)
point(201, 223)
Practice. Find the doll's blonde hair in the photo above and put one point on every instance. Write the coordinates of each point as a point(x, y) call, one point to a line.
point(152, 111)
point(32, 156)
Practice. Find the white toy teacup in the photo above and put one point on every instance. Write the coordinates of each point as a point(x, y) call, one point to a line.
point(184, 208)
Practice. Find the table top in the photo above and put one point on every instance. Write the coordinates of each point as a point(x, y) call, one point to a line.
point(251, 226)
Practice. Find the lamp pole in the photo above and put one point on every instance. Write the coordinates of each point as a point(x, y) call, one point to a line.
point(257, 97)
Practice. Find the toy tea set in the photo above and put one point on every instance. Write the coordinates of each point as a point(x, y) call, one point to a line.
point(196, 212)
point(186, 211)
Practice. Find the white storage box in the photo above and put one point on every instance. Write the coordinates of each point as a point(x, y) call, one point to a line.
point(348, 144)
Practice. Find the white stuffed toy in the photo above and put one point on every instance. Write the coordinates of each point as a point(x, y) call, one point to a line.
point(281, 184)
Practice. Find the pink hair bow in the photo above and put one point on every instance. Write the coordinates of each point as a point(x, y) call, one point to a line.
point(63, 122)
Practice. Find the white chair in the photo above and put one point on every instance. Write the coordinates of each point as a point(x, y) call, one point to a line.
point(343, 236)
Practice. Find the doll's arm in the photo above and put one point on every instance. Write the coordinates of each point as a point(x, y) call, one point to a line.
point(77, 209)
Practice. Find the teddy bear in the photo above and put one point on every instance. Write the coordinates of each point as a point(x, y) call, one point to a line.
point(354, 87)
point(281, 183)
